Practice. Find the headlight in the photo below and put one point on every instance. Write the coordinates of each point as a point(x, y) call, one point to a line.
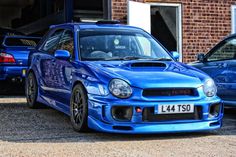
point(120, 88)
point(209, 88)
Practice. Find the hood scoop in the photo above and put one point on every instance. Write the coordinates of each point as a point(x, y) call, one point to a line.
point(148, 64)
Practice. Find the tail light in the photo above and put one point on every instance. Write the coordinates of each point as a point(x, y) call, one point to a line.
point(6, 58)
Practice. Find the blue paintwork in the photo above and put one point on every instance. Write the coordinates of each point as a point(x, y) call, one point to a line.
point(56, 79)
point(223, 72)
point(62, 54)
point(20, 54)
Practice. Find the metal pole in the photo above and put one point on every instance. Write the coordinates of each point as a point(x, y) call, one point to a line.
point(68, 10)
point(109, 10)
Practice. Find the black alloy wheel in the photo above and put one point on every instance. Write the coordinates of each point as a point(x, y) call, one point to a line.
point(31, 91)
point(79, 109)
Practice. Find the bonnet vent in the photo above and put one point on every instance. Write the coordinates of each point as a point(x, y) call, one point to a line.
point(148, 64)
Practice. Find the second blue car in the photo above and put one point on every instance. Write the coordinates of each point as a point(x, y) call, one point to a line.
point(14, 52)
point(116, 78)
point(220, 64)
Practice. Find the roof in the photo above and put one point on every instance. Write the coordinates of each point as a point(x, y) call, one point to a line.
point(93, 25)
point(230, 36)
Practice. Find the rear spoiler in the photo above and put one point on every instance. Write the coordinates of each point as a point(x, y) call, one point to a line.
point(20, 41)
point(22, 36)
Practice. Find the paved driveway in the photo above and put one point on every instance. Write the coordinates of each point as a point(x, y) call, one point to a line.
point(46, 132)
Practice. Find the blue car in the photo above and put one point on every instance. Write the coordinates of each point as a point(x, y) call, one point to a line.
point(220, 64)
point(14, 51)
point(116, 78)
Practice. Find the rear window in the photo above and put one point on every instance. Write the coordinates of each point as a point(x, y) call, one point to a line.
point(28, 42)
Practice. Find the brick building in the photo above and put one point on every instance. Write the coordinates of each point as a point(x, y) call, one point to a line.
point(186, 26)
point(203, 23)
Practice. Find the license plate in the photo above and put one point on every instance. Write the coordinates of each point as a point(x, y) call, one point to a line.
point(23, 72)
point(177, 108)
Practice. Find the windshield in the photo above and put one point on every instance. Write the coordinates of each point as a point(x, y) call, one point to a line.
point(119, 45)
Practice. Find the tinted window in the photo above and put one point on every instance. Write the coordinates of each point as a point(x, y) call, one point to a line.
point(51, 43)
point(227, 50)
point(119, 44)
point(67, 42)
point(13, 41)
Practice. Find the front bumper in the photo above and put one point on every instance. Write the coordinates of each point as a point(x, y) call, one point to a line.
point(100, 117)
point(12, 72)
point(155, 128)
point(229, 103)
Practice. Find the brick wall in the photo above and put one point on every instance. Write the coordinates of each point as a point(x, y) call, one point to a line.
point(204, 22)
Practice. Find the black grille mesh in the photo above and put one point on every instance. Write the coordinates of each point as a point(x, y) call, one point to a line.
point(169, 92)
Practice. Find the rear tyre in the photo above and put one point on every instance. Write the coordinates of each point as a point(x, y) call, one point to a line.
point(31, 91)
point(79, 109)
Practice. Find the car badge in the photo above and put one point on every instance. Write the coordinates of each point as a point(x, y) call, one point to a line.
point(116, 42)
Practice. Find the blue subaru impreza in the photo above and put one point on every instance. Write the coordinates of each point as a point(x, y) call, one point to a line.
point(116, 78)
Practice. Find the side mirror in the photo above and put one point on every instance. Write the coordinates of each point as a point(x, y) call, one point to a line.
point(175, 55)
point(62, 54)
point(201, 57)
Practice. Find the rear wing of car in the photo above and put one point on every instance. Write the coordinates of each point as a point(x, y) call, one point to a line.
point(20, 41)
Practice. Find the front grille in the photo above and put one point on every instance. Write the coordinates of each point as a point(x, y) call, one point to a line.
point(170, 92)
point(149, 116)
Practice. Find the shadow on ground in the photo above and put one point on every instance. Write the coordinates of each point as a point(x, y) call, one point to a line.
point(21, 124)
point(11, 88)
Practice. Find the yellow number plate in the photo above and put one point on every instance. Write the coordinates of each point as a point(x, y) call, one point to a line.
point(23, 72)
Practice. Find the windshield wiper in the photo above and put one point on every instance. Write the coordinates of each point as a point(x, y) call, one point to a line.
point(125, 58)
point(112, 59)
point(132, 58)
point(163, 59)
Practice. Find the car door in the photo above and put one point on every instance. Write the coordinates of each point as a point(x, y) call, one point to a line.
point(220, 65)
point(230, 92)
point(63, 68)
point(47, 66)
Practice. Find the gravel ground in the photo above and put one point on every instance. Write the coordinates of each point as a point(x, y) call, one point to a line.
point(45, 132)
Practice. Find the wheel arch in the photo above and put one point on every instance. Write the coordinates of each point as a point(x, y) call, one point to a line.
point(81, 83)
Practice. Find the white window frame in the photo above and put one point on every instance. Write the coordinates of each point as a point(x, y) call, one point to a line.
point(179, 7)
point(233, 22)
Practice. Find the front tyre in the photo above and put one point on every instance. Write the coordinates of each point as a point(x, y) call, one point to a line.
point(79, 109)
point(31, 91)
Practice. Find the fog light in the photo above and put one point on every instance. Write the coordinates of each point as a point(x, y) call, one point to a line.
point(214, 110)
point(122, 113)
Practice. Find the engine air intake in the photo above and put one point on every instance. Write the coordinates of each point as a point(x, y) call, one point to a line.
point(148, 64)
